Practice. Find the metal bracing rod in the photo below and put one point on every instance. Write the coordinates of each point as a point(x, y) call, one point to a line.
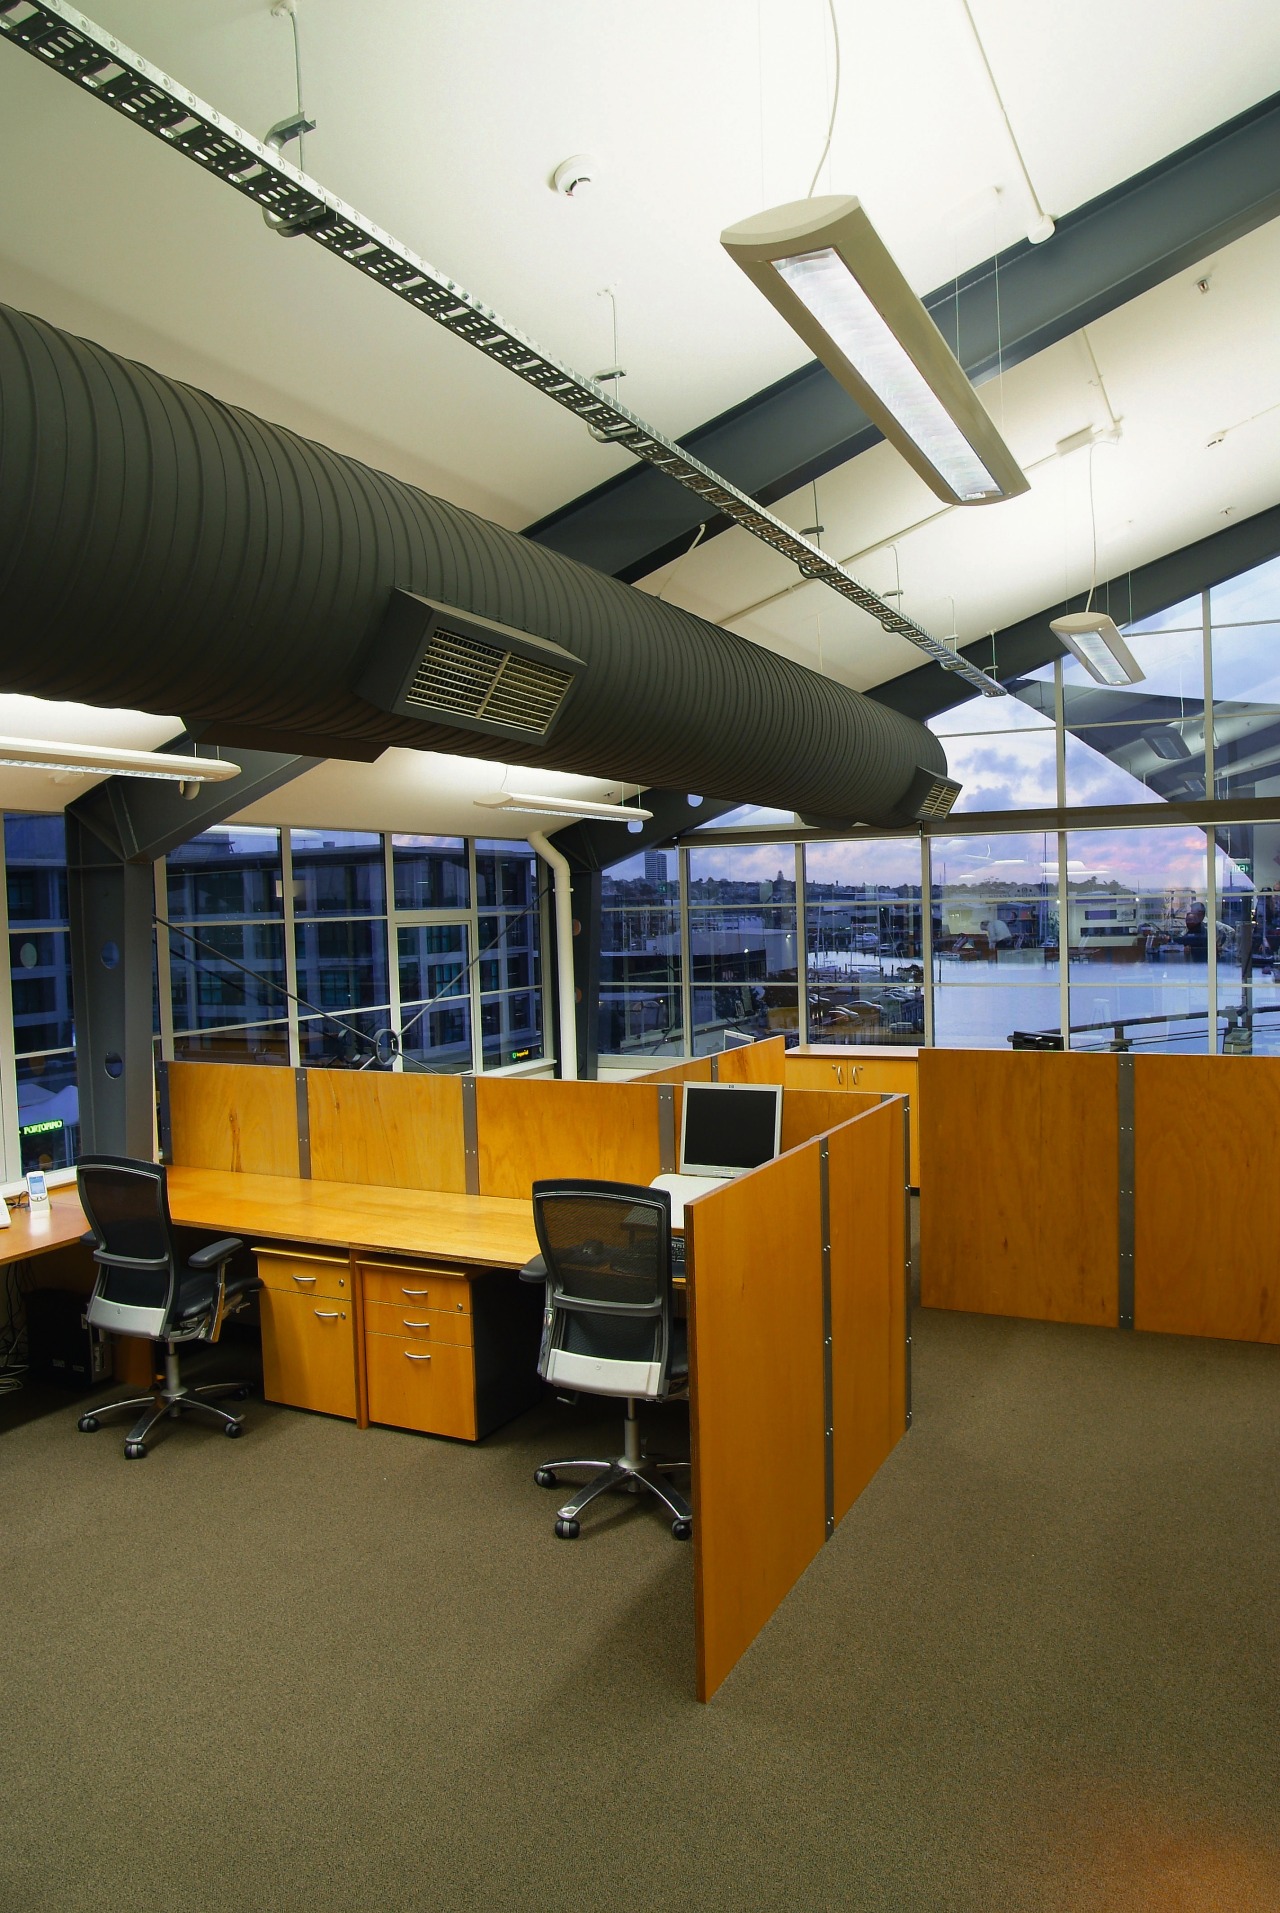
point(65, 41)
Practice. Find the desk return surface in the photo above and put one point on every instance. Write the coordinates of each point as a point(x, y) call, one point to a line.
point(386, 1305)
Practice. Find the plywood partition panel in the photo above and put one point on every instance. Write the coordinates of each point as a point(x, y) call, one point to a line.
point(696, 1070)
point(1207, 1196)
point(758, 1063)
point(756, 1344)
point(398, 1131)
point(1020, 1184)
point(531, 1129)
point(241, 1116)
point(811, 1112)
point(867, 1196)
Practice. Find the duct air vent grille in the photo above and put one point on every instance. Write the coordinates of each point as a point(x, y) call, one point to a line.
point(458, 675)
point(929, 796)
point(436, 663)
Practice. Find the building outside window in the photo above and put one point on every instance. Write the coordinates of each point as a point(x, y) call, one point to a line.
point(744, 942)
point(47, 1102)
point(641, 1003)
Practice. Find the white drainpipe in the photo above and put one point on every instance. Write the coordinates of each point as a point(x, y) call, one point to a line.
point(564, 953)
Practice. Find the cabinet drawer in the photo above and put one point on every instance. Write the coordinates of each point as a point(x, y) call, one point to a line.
point(421, 1289)
point(308, 1352)
point(410, 1323)
point(302, 1272)
point(430, 1387)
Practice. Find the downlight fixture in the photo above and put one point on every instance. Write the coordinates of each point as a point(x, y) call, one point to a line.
point(826, 269)
point(1095, 640)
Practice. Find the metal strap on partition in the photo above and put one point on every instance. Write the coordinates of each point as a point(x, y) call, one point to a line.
point(666, 1127)
point(1124, 1213)
point(715, 1068)
point(908, 1258)
point(828, 1375)
point(164, 1119)
point(470, 1136)
point(304, 1122)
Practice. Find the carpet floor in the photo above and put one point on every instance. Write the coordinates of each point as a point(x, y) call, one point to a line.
point(1038, 1666)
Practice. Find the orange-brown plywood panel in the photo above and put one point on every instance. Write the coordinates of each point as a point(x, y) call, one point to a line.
point(811, 1112)
point(697, 1070)
point(240, 1116)
point(1019, 1184)
point(754, 1063)
point(401, 1131)
point(1207, 1196)
point(756, 1335)
point(530, 1128)
point(867, 1181)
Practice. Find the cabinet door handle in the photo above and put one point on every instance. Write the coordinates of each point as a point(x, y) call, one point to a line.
point(409, 1356)
point(409, 1324)
point(329, 1315)
point(416, 1292)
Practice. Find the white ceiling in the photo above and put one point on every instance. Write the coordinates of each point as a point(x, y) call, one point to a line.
point(444, 123)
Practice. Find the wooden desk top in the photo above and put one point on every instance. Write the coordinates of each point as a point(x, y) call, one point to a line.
point(34, 1231)
point(488, 1231)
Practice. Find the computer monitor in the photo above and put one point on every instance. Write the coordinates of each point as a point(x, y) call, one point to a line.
point(735, 1039)
point(728, 1127)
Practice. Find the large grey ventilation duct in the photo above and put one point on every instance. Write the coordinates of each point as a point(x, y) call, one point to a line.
point(162, 551)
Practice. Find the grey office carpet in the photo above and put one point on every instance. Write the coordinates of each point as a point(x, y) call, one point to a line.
point(324, 1670)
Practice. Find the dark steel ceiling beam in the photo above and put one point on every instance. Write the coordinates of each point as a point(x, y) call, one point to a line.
point(140, 819)
point(1102, 255)
point(1027, 645)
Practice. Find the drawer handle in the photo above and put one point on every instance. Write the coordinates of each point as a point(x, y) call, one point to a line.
point(409, 1356)
point(329, 1315)
point(409, 1324)
point(415, 1292)
point(306, 1278)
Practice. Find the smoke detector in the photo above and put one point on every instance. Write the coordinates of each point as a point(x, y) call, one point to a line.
point(572, 176)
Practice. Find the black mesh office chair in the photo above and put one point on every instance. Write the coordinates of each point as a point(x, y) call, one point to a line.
point(608, 1327)
point(145, 1288)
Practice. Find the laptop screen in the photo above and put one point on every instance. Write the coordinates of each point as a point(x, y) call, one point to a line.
point(729, 1127)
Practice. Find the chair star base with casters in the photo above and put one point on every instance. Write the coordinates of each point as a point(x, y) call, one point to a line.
point(609, 1328)
point(631, 1470)
point(144, 1288)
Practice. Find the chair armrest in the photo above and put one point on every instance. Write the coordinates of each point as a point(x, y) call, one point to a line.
point(535, 1271)
point(215, 1253)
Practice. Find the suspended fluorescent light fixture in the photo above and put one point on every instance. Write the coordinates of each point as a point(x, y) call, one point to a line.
point(823, 265)
point(1095, 640)
point(106, 760)
point(569, 807)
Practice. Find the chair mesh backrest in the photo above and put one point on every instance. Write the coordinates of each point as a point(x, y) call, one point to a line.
point(607, 1247)
point(127, 1206)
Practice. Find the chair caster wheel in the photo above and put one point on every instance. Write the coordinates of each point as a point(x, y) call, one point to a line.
point(88, 1424)
point(243, 1394)
point(567, 1530)
point(234, 1428)
point(682, 1530)
point(545, 1477)
point(134, 1450)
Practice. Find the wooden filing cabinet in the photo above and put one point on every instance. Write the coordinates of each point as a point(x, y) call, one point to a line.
point(852, 1068)
point(448, 1350)
point(308, 1330)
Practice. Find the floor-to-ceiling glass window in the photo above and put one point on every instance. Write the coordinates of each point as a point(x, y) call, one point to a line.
point(1140, 920)
point(640, 1006)
point(340, 944)
point(509, 955)
point(432, 884)
point(865, 936)
point(744, 953)
point(996, 938)
point(227, 971)
point(48, 1108)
